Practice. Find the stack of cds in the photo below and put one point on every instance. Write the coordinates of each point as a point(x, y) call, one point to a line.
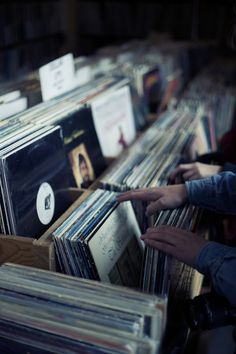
point(100, 240)
point(51, 313)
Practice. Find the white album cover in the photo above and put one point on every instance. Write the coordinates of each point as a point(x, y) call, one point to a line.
point(114, 121)
point(116, 247)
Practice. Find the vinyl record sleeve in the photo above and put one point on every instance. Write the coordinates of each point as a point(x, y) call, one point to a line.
point(112, 247)
point(33, 175)
point(94, 297)
point(82, 146)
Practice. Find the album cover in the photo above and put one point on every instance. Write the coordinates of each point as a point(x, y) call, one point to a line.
point(116, 248)
point(81, 166)
point(152, 87)
point(114, 121)
point(82, 147)
point(33, 176)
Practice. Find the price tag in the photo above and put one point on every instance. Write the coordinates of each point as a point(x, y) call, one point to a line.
point(57, 77)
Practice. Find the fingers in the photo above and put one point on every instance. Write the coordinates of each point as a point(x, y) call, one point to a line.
point(179, 169)
point(156, 207)
point(147, 194)
point(164, 247)
point(166, 233)
point(189, 175)
point(163, 238)
point(170, 198)
point(160, 198)
point(175, 173)
point(159, 234)
point(182, 244)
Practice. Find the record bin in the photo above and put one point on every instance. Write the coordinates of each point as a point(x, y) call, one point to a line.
point(39, 253)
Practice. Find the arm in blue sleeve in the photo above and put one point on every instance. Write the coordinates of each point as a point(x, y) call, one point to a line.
point(216, 193)
point(219, 263)
point(229, 167)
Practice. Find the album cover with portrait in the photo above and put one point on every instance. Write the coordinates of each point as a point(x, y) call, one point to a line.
point(79, 133)
point(81, 166)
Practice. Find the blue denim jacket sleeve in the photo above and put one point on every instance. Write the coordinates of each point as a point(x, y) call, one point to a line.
point(216, 193)
point(219, 263)
point(229, 167)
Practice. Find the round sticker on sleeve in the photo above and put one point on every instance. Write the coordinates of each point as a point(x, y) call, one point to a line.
point(45, 203)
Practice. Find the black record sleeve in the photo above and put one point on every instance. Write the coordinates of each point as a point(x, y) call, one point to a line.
point(27, 170)
point(80, 137)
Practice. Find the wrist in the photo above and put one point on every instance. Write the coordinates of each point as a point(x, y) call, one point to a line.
point(219, 169)
point(183, 193)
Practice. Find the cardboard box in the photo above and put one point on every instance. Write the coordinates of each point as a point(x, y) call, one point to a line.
point(39, 253)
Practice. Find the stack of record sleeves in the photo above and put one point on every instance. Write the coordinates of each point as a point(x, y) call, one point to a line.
point(157, 264)
point(148, 164)
point(33, 171)
point(153, 155)
point(45, 312)
point(100, 240)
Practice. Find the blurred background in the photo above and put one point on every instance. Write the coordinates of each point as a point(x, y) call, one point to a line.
point(35, 32)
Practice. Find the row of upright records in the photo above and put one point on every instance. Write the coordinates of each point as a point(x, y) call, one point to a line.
point(64, 143)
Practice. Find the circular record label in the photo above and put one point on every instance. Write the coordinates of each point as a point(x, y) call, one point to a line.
point(45, 203)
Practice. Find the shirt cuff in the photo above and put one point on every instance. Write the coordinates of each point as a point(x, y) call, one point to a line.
point(211, 254)
point(229, 167)
point(200, 192)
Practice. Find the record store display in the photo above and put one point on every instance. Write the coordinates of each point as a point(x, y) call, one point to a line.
point(82, 316)
point(147, 79)
point(158, 70)
point(214, 90)
point(100, 240)
point(79, 135)
point(153, 155)
point(83, 134)
point(110, 292)
point(148, 164)
point(33, 173)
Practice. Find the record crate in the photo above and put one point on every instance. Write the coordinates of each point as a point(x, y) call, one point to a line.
point(39, 252)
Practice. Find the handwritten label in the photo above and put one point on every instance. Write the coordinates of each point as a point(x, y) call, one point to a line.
point(57, 77)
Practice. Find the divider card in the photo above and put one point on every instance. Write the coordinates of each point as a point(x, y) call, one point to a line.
point(57, 77)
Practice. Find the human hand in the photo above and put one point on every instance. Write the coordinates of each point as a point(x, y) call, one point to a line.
point(181, 244)
point(160, 198)
point(195, 170)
